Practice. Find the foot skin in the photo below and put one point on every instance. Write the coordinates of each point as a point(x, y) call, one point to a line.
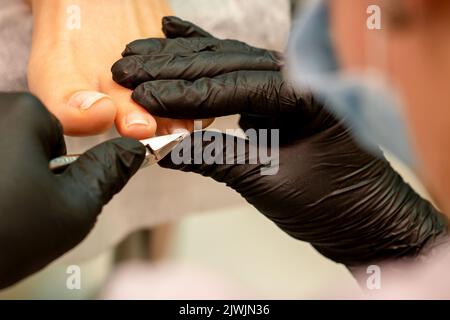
point(70, 62)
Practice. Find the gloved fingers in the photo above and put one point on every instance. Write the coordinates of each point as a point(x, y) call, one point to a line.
point(100, 173)
point(41, 133)
point(291, 127)
point(254, 92)
point(309, 119)
point(225, 158)
point(174, 27)
point(190, 45)
point(58, 145)
point(131, 71)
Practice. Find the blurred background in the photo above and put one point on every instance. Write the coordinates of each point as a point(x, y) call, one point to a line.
point(230, 253)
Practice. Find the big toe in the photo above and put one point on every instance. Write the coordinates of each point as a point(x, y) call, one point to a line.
point(86, 113)
point(82, 110)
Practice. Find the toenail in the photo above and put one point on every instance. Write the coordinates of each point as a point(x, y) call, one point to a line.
point(136, 119)
point(179, 130)
point(85, 99)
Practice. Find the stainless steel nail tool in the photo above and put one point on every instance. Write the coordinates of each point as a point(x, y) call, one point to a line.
point(157, 149)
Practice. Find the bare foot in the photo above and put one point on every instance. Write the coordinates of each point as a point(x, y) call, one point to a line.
point(70, 63)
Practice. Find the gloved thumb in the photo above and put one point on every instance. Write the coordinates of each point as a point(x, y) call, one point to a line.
point(174, 27)
point(100, 173)
point(225, 158)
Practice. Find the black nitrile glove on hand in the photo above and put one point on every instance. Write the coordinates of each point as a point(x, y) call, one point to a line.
point(43, 215)
point(350, 205)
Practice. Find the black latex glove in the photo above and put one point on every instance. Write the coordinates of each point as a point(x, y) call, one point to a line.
point(350, 205)
point(43, 215)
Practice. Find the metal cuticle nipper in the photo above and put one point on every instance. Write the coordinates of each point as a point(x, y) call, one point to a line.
point(157, 149)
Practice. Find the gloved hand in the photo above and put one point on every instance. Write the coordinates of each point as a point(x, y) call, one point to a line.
point(349, 204)
point(43, 215)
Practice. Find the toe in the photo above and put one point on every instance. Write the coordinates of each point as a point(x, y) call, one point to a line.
point(83, 112)
point(132, 120)
point(79, 106)
point(86, 112)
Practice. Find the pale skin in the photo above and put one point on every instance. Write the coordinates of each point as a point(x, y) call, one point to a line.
point(69, 69)
point(417, 64)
